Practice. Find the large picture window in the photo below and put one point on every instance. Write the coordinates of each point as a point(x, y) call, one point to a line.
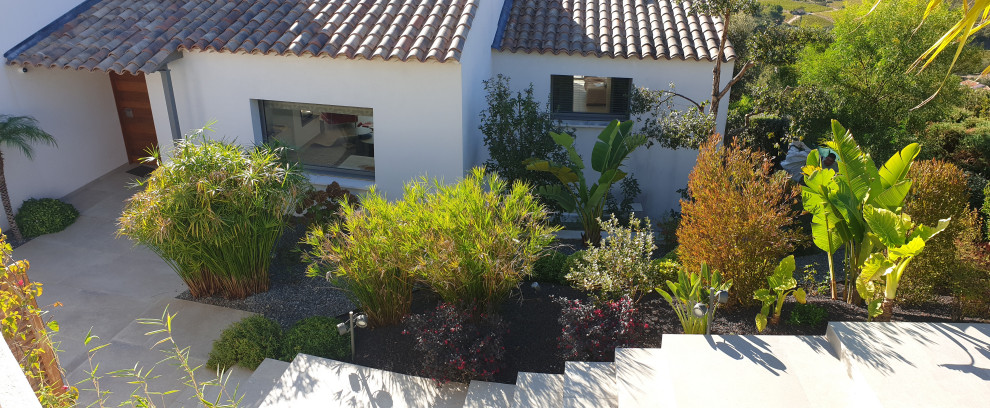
point(589, 98)
point(324, 137)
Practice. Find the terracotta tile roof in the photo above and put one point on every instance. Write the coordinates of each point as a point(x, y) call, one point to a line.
point(641, 29)
point(138, 35)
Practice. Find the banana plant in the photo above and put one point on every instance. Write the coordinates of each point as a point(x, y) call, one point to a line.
point(900, 241)
point(614, 144)
point(690, 291)
point(782, 283)
point(837, 200)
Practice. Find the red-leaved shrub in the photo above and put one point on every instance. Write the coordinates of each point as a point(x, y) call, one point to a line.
point(591, 332)
point(457, 345)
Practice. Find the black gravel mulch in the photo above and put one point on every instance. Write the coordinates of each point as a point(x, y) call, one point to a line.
point(531, 344)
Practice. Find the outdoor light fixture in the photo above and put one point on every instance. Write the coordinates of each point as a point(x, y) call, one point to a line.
point(360, 321)
point(720, 297)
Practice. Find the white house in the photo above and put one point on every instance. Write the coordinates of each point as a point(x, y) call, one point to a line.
point(368, 92)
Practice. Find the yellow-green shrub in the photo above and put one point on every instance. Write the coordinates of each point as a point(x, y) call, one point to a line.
point(739, 219)
point(938, 190)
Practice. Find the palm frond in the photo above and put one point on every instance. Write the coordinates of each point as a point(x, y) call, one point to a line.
point(22, 132)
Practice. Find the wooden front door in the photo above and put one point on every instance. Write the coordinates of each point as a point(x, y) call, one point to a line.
point(134, 109)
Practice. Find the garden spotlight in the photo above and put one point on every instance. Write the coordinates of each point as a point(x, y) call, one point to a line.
point(343, 328)
point(700, 310)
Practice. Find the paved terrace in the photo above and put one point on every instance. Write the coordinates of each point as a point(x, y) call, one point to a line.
point(106, 283)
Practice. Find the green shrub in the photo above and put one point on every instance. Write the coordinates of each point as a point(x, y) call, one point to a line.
point(768, 134)
point(38, 217)
point(247, 343)
point(622, 265)
point(807, 314)
point(471, 242)
point(316, 336)
point(938, 190)
point(782, 283)
point(550, 268)
point(739, 219)
point(214, 213)
point(571, 261)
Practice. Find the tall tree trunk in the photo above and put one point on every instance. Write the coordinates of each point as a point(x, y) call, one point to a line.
point(717, 77)
point(6, 204)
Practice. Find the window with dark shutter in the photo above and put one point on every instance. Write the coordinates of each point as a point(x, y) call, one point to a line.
point(561, 93)
point(589, 98)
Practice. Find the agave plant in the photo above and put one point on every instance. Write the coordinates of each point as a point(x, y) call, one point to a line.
point(782, 283)
point(846, 205)
point(614, 144)
point(690, 291)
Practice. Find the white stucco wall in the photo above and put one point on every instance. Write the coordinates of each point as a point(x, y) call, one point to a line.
point(477, 67)
point(660, 172)
point(417, 106)
point(77, 108)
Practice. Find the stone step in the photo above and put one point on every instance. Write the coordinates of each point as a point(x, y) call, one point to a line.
point(589, 385)
point(261, 382)
point(753, 371)
point(312, 382)
point(906, 364)
point(536, 390)
point(483, 394)
point(643, 378)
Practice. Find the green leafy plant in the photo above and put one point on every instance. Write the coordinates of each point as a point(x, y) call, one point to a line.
point(621, 266)
point(838, 200)
point(26, 333)
point(807, 314)
point(18, 133)
point(516, 128)
point(899, 240)
point(247, 343)
point(214, 213)
point(316, 336)
point(614, 144)
point(782, 283)
point(209, 393)
point(623, 209)
point(550, 268)
point(740, 213)
point(45, 216)
point(986, 209)
point(690, 290)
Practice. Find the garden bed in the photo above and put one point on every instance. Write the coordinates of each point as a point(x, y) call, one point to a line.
point(531, 314)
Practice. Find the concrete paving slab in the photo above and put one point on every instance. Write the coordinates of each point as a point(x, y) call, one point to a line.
point(312, 382)
point(483, 394)
point(755, 371)
point(910, 364)
point(539, 390)
point(264, 378)
point(643, 378)
point(589, 384)
point(132, 274)
point(196, 325)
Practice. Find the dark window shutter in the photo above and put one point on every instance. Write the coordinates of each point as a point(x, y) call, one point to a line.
point(561, 93)
point(621, 92)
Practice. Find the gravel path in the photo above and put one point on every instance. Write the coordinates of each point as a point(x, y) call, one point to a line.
point(292, 296)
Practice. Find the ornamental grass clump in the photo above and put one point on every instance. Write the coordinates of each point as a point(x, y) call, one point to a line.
point(621, 266)
point(483, 237)
point(470, 242)
point(214, 213)
point(370, 253)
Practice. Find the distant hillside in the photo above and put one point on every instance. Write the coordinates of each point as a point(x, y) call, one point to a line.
point(814, 13)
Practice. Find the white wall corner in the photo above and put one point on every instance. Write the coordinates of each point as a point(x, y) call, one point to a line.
point(15, 391)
